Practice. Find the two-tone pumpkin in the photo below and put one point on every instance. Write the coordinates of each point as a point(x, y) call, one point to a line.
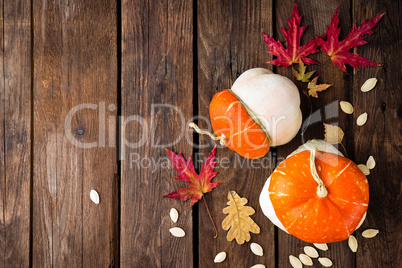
point(261, 109)
point(316, 194)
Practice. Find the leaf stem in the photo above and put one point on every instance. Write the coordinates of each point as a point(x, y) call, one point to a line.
point(209, 213)
point(322, 65)
point(301, 86)
point(344, 149)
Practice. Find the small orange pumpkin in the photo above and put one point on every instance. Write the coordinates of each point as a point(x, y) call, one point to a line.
point(316, 194)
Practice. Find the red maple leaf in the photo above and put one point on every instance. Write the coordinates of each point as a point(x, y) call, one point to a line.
point(199, 184)
point(294, 53)
point(338, 50)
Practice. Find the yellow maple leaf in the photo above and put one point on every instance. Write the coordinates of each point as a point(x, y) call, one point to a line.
point(333, 134)
point(238, 220)
point(301, 75)
point(314, 88)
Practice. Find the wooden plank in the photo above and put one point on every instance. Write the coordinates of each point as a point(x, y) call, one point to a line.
point(324, 109)
point(15, 145)
point(229, 43)
point(383, 106)
point(157, 70)
point(75, 90)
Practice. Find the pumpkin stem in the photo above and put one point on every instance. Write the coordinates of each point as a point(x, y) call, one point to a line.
point(321, 190)
point(222, 139)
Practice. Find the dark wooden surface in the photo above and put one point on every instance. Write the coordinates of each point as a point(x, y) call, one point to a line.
point(227, 46)
point(75, 65)
point(121, 61)
point(16, 137)
point(324, 109)
point(157, 68)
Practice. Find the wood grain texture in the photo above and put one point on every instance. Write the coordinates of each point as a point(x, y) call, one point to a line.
point(15, 145)
point(46, 178)
point(381, 135)
point(229, 43)
point(75, 91)
point(323, 109)
point(157, 99)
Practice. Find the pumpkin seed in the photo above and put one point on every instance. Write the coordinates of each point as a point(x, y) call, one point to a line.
point(370, 233)
point(362, 119)
point(220, 257)
point(364, 169)
point(174, 214)
point(258, 266)
point(295, 262)
point(306, 260)
point(325, 262)
point(94, 196)
point(352, 243)
point(346, 107)
point(256, 249)
point(177, 232)
point(310, 251)
point(369, 84)
point(370, 162)
point(323, 247)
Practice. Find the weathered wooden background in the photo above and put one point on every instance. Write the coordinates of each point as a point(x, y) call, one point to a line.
point(72, 70)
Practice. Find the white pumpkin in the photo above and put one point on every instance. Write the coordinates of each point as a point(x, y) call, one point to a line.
point(274, 99)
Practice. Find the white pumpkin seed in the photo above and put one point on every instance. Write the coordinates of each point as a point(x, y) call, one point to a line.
point(177, 232)
point(362, 119)
point(94, 196)
point(220, 257)
point(346, 107)
point(310, 251)
point(258, 266)
point(306, 260)
point(364, 169)
point(370, 233)
point(256, 249)
point(295, 262)
point(174, 214)
point(325, 262)
point(369, 84)
point(370, 162)
point(352, 243)
point(323, 247)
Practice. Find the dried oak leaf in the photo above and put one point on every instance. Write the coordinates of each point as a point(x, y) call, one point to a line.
point(238, 220)
point(199, 184)
point(301, 75)
point(314, 88)
point(294, 53)
point(333, 134)
point(338, 50)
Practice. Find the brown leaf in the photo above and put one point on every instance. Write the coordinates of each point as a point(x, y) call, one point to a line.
point(238, 220)
point(333, 134)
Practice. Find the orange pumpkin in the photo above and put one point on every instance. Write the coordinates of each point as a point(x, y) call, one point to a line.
point(316, 194)
point(230, 119)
